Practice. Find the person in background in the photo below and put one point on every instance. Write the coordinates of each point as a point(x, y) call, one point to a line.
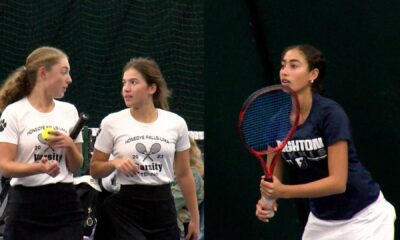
point(197, 166)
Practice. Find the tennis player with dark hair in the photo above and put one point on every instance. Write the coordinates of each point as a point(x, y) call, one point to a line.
point(147, 143)
point(345, 201)
point(42, 200)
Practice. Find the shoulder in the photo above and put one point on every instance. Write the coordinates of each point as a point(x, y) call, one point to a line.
point(328, 106)
point(325, 102)
point(167, 115)
point(65, 106)
point(16, 109)
point(18, 105)
point(115, 116)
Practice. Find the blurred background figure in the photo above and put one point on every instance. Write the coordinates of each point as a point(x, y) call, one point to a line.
point(197, 166)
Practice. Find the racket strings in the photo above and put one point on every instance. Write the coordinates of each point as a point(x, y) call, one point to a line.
point(267, 120)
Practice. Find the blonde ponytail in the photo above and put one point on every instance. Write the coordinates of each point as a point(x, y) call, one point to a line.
point(21, 82)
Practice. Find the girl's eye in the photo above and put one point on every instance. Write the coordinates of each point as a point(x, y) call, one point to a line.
point(134, 82)
point(131, 82)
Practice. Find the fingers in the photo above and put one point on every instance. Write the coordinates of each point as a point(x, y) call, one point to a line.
point(59, 140)
point(44, 160)
point(51, 167)
point(261, 214)
point(54, 168)
point(263, 211)
point(267, 189)
point(126, 167)
point(192, 233)
point(54, 136)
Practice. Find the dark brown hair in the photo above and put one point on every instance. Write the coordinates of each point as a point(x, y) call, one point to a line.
point(151, 73)
point(315, 59)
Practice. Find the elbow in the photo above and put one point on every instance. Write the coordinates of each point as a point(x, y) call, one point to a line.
point(74, 170)
point(6, 174)
point(181, 175)
point(340, 188)
point(93, 172)
point(4, 171)
point(76, 167)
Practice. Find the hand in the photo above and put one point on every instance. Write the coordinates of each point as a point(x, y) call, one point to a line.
point(51, 167)
point(263, 212)
point(193, 231)
point(125, 166)
point(59, 140)
point(272, 189)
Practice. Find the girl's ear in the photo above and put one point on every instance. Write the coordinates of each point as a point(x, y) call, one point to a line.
point(314, 74)
point(153, 88)
point(41, 72)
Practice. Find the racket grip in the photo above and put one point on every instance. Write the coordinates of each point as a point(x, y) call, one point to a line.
point(83, 118)
point(269, 202)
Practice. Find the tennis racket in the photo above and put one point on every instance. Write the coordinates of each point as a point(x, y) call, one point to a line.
point(141, 148)
point(83, 118)
point(267, 121)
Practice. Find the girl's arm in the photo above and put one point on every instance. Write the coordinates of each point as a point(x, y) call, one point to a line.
point(185, 180)
point(334, 183)
point(100, 166)
point(9, 167)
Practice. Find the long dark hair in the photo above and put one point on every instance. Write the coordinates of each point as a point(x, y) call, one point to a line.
point(152, 75)
point(315, 59)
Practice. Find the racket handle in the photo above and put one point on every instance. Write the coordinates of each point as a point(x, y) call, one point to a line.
point(83, 118)
point(269, 202)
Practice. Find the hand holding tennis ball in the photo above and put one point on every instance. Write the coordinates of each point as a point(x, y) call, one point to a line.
point(46, 134)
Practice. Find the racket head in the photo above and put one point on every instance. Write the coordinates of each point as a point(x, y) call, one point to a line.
point(141, 148)
point(155, 148)
point(268, 119)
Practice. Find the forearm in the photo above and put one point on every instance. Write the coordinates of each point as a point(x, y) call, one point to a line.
point(320, 188)
point(188, 189)
point(17, 169)
point(74, 158)
point(99, 169)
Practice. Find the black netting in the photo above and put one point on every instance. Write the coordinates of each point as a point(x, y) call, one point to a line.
point(101, 36)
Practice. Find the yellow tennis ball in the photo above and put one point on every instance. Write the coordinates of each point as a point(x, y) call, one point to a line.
point(46, 134)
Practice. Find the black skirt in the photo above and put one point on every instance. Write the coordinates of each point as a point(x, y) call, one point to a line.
point(138, 212)
point(44, 213)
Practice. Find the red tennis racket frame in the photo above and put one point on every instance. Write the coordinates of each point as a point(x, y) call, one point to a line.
point(277, 150)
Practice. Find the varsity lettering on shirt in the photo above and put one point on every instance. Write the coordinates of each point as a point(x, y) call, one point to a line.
point(152, 146)
point(23, 126)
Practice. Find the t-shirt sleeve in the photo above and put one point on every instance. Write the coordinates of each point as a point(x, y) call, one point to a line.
point(336, 125)
point(183, 142)
point(104, 139)
point(9, 127)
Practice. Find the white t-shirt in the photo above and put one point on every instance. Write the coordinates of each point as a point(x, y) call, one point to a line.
point(151, 145)
point(21, 124)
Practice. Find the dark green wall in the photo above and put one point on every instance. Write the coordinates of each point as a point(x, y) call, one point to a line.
point(233, 71)
point(361, 42)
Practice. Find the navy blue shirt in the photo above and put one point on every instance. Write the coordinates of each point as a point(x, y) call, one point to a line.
point(307, 152)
